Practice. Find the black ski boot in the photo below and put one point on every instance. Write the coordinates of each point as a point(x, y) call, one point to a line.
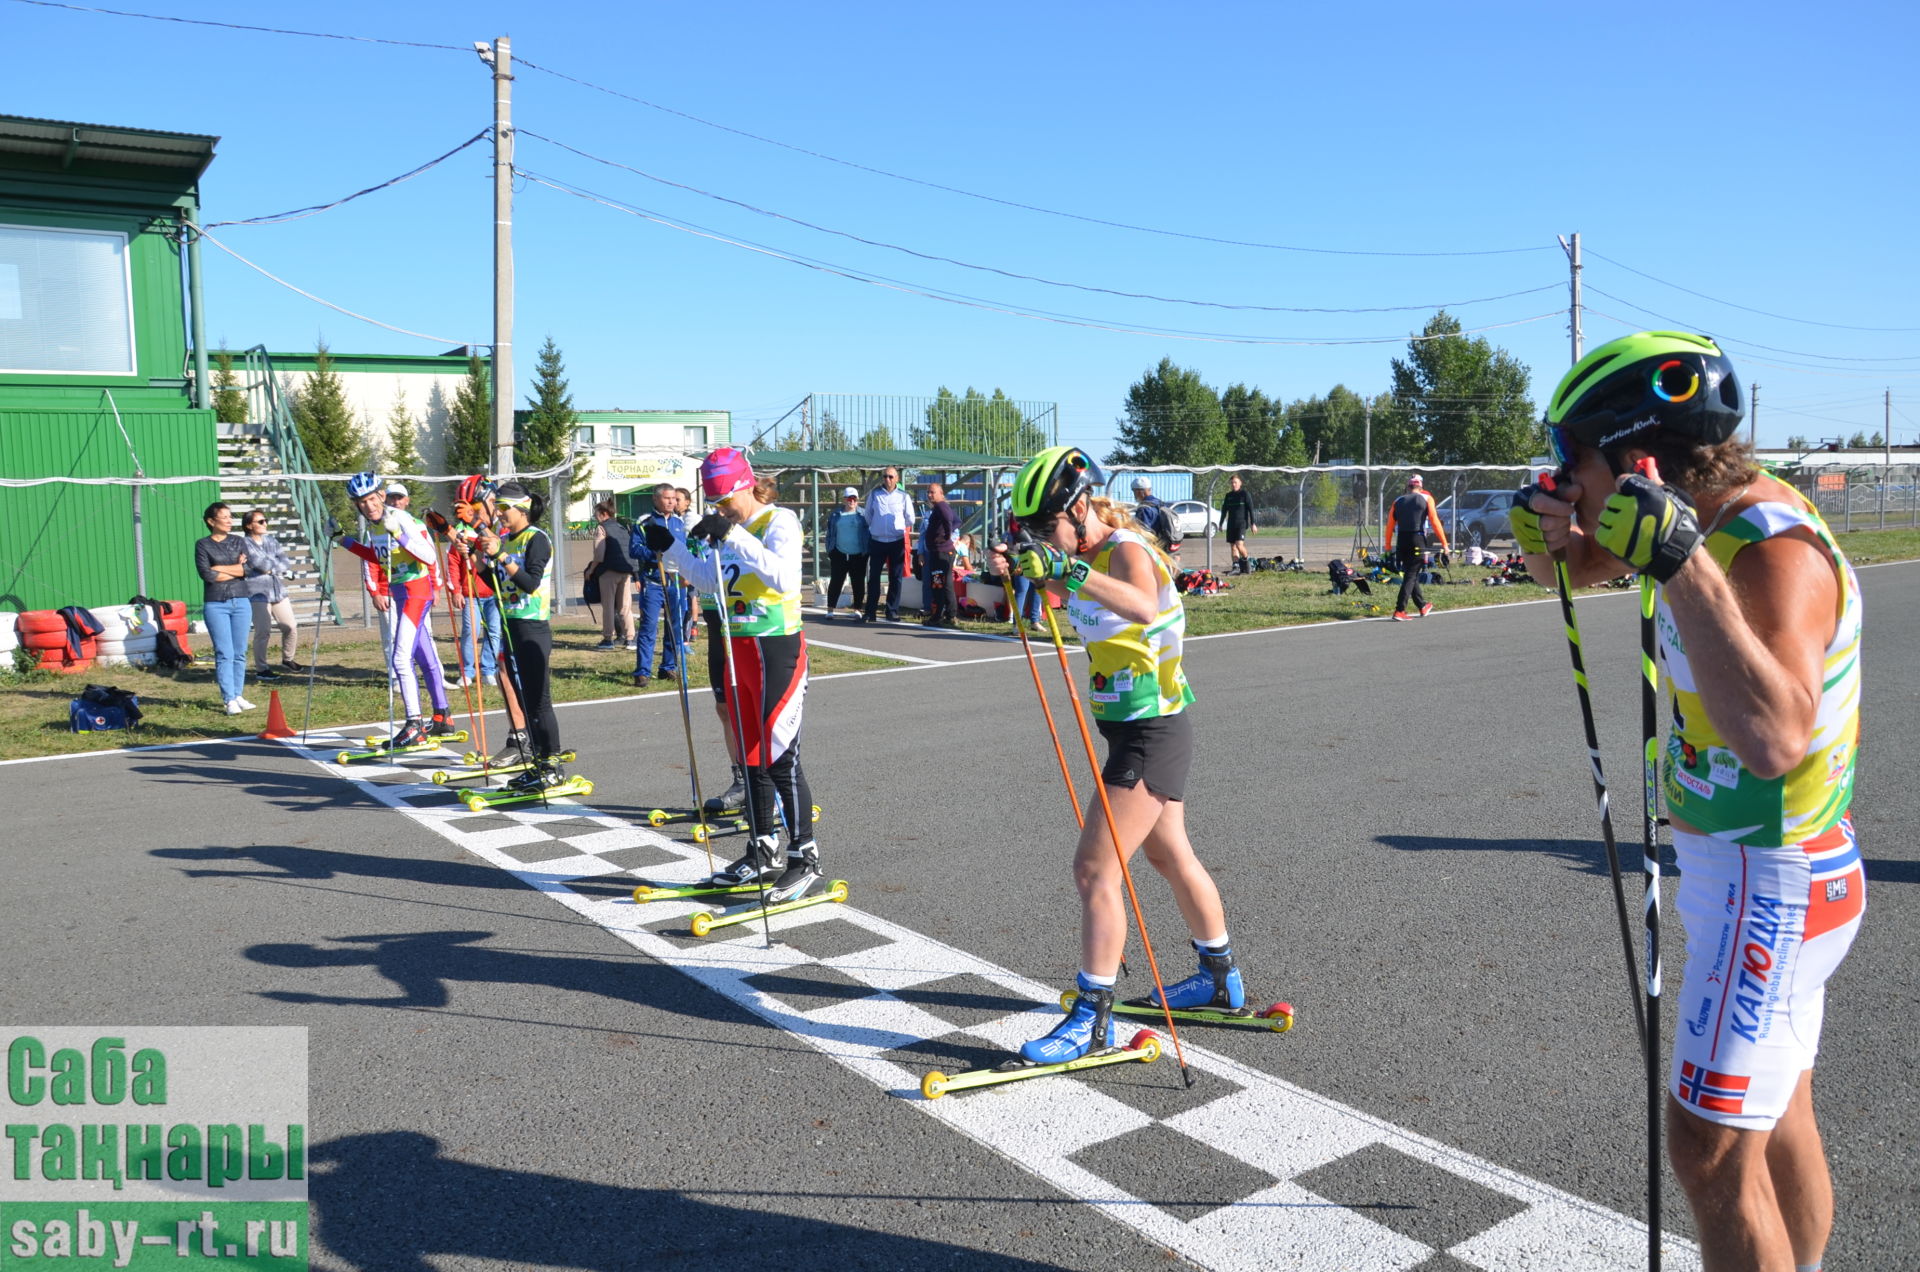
point(514, 752)
point(802, 872)
point(760, 865)
point(438, 726)
point(734, 798)
point(544, 774)
point(413, 733)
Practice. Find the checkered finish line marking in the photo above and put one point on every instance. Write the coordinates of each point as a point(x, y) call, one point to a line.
point(1269, 1175)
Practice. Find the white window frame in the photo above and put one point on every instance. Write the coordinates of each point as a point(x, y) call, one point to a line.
point(126, 282)
point(613, 438)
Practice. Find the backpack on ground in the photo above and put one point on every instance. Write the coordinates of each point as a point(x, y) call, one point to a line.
point(102, 707)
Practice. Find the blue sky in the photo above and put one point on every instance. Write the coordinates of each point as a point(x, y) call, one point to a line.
point(1757, 155)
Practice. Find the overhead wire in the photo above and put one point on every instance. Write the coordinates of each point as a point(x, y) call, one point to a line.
point(1794, 353)
point(300, 214)
point(974, 302)
point(240, 26)
point(1006, 273)
point(1010, 203)
point(1732, 305)
point(320, 300)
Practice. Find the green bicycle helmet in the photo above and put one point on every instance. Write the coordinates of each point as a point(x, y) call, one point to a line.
point(1652, 381)
point(1052, 480)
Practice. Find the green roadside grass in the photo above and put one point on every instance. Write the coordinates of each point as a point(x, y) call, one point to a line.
point(349, 687)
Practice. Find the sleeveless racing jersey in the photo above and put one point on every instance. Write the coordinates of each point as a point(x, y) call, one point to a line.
point(1136, 672)
point(754, 606)
point(536, 605)
point(1706, 785)
point(410, 553)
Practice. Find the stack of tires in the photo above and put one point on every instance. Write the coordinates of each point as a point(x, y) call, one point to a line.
point(127, 636)
point(43, 633)
point(9, 640)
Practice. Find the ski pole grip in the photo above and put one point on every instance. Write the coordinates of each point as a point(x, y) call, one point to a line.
point(1648, 469)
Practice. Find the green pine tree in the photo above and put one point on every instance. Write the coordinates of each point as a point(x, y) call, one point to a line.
point(470, 423)
point(229, 400)
point(403, 452)
point(544, 437)
point(334, 439)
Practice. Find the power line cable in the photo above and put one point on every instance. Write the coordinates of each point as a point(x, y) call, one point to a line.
point(1858, 373)
point(300, 214)
point(1010, 203)
point(1796, 353)
point(1005, 273)
point(419, 335)
point(239, 26)
point(1747, 308)
point(974, 302)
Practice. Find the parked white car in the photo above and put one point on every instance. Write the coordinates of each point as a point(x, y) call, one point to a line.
point(1193, 518)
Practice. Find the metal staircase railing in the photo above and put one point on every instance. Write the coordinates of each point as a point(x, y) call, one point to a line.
point(267, 407)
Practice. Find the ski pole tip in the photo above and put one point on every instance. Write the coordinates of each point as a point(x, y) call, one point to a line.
point(1186, 1075)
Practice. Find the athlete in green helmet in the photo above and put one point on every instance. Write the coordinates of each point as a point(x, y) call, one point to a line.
point(1120, 597)
point(1759, 624)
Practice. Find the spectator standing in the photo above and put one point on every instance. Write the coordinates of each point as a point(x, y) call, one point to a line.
point(267, 592)
point(517, 561)
point(889, 514)
point(221, 558)
point(657, 601)
point(847, 540)
point(1237, 510)
point(1155, 516)
point(1407, 524)
point(936, 548)
point(613, 565)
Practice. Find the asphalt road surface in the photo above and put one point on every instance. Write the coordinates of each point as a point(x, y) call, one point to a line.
point(514, 1065)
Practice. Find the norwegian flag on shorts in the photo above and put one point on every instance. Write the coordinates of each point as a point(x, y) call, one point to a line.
point(1721, 1092)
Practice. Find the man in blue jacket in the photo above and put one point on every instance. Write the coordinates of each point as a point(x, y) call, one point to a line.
point(653, 597)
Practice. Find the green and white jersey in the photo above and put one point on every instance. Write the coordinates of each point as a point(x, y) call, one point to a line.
point(1136, 672)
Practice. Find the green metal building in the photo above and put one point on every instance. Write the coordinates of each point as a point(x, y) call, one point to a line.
point(93, 364)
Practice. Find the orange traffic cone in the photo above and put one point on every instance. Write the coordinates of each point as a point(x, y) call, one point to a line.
point(276, 720)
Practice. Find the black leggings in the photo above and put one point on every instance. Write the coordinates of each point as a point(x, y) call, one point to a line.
point(529, 648)
point(1410, 549)
point(845, 569)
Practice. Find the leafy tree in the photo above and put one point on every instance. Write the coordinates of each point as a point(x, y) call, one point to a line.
point(1796, 443)
point(1172, 418)
point(1466, 400)
point(879, 437)
point(545, 437)
point(1254, 422)
point(1857, 442)
point(403, 450)
point(1876, 439)
point(470, 422)
point(978, 423)
point(229, 400)
point(829, 435)
point(1333, 428)
point(334, 439)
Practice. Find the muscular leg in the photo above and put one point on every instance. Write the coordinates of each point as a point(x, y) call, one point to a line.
point(1797, 1161)
point(1170, 852)
point(1728, 1179)
point(1096, 872)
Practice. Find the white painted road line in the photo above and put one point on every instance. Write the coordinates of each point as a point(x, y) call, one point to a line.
point(1277, 1131)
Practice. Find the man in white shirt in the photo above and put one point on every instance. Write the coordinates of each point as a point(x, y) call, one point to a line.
point(889, 514)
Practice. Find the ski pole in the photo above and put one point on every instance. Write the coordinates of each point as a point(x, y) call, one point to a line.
point(1053, 730)
point(1565, 584)
point(319, 616)
point(1650, 863)
point(739, 733)
point(686, 712)
point(1113, 833)
point(441, 526)
point(477, 635)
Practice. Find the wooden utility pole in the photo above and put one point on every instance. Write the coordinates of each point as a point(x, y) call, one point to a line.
point(499, 56)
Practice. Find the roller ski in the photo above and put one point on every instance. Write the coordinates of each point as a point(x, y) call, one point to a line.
point(791, 890)
point(412, 739)
point(475, 770)
point(1213, 995)
point(1084, 1040)
point(715, 825)
point(536, 785)
point(514, 752)
point(679, 891)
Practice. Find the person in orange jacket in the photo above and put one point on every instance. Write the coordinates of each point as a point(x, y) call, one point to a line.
point(1407, 524)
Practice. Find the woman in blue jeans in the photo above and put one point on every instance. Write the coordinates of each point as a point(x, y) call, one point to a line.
point(221, 558)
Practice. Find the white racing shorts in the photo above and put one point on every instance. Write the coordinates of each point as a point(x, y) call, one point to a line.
point(1766, 927)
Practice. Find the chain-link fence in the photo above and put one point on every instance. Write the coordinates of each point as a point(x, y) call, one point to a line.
point(1867, 498)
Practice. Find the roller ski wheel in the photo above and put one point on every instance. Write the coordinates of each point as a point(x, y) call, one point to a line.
point(709, 831)
point(1279, 1017)
point(1144, 1047)
point(707, 921)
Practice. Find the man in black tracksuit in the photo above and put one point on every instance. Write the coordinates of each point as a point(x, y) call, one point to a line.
point(1407, 525)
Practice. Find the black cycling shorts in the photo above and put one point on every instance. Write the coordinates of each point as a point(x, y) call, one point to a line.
point(1157, 751)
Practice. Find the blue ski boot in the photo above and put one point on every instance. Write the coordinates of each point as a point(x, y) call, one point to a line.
point(1088, 1027)
point(1216, 985)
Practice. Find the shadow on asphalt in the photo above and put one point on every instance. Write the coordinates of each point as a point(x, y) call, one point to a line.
point(395, 1201)
point(1886, 870)
point(291, 789)
point(1588, 855)
point(292, 862)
